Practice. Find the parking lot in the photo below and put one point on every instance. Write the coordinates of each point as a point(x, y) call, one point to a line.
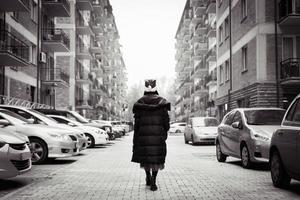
point(105, 172)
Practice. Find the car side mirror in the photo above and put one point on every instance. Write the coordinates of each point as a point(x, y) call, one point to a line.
point(237, 125)
point(4, 122)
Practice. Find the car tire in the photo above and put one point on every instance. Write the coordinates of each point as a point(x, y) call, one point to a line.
point(39, 150)
point(113, 137)
point(192, 138)
point(90, 141)
point(185, 140)
point(178, 131)
point(279, 176)
point(219, 154)
point(245, 157)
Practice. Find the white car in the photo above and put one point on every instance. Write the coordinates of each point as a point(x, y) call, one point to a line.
point(45, 141)
point(95, 136)
point(15, 156)
point(177, 127)
point(201, 130)
point(36, 117)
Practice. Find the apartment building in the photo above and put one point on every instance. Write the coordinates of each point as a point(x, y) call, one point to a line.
point(257, 51)
point(62, 60)
point(196, 60)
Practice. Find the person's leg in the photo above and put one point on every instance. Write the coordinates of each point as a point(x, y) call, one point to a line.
point(148, 177)
point(153, 182)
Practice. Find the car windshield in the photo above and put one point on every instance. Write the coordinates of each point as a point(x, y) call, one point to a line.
point(264, 117)
point(13, 117)
point(205, 122)
point(79, 118)
point(44, 118)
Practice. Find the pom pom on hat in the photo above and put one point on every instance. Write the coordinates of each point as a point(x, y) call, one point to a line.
point(150, 85)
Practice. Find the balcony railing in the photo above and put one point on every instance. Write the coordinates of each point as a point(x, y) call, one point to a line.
point(56, 35)
point(5, 100)
point(15, 5)
point(57, 8)
point(289, 8)
point(290, 69)
point(17, 50)
point(49, 75)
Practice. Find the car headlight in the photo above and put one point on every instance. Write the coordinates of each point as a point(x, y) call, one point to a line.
point(63, 137)
point(259, 136)
point(2, 143)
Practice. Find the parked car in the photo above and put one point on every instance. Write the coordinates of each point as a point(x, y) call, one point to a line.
point(126, 126)
point(106, 125)
point(177, 127)
point(77, 117)
point(201, 130)
point(246, 133)
point(36, 117)
point(95, 136)
point(45, 141)
point(15, 155)
point(285, 147)
point(118, 126)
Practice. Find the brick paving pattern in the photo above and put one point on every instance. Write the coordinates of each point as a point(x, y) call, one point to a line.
point(191, 172)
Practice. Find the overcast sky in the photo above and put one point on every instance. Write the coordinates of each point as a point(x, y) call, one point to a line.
point(147, 29)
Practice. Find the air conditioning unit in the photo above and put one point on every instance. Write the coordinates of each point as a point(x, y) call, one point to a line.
point(43, 57)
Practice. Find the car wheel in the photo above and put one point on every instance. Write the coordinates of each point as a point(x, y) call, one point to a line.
point(245, 157)
point(220, 156)
point(39, 151)
point(192, 138)
point(185, 140)
point(178, 131)
point(90, 141)
point(279, 176)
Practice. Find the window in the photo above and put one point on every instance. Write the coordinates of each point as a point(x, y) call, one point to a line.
point(229, 117)
point(244, 58)
point(244, 9)
point(237, 117)
point(226, 26)
point(221, 34)
point(227, 70)
point(221, 75)
point(34, 11)
point(244, 103)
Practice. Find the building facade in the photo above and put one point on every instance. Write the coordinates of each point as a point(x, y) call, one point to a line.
point(62, 54)
point(196, 60)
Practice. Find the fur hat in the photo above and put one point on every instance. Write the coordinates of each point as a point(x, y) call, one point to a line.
point(150, 85)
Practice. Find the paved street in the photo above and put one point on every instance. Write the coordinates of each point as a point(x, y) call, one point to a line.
point(191, 172)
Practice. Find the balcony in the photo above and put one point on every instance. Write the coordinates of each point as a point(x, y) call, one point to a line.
point(96, 48)
point(201, 90)
point(211, 55)
point(13, 52)
point(290, 72)
point(211, 6)
point(82, 104)
point(200, 49)
point(83, 27)
point(97, 6)
point(200, 9)
point(57, 8)
point(51, 76)
point(201, 29)
point(83, 52)
point(211, 79)
point(84, 4)
point(83, 78)
point(211, 32)
point(289, 12)
point(97, 28)
point(56, 40)
point(14, 5)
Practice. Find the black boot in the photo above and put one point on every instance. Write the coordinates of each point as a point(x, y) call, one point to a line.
point(153, 181)
point(148, 178)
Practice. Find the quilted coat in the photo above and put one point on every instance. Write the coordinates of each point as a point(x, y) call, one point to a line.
point(150, 129)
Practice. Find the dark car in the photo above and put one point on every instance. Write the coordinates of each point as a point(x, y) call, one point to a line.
point(285, 148)
point(77, 117)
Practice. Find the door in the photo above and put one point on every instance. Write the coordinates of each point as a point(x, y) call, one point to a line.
point(287, 48)
point(224, 133)
point(235, 134)
point(288, 138)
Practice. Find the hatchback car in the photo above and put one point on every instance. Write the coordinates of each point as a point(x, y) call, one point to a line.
point(285, 147)
point(95, 136)
point(246, 133)
point(15, 155)
point(201, 130)
point(177, 127)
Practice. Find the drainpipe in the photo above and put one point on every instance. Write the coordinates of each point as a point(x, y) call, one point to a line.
point(276, 53)
point(230, 57)
point(39, 29)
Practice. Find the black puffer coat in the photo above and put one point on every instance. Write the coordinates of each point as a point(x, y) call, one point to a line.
point(150, 129)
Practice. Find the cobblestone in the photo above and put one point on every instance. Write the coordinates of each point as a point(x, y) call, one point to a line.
point(191, 172)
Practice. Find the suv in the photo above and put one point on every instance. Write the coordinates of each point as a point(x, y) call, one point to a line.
point(285, 147)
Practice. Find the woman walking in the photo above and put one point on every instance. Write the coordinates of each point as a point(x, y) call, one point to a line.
point(150, 132)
